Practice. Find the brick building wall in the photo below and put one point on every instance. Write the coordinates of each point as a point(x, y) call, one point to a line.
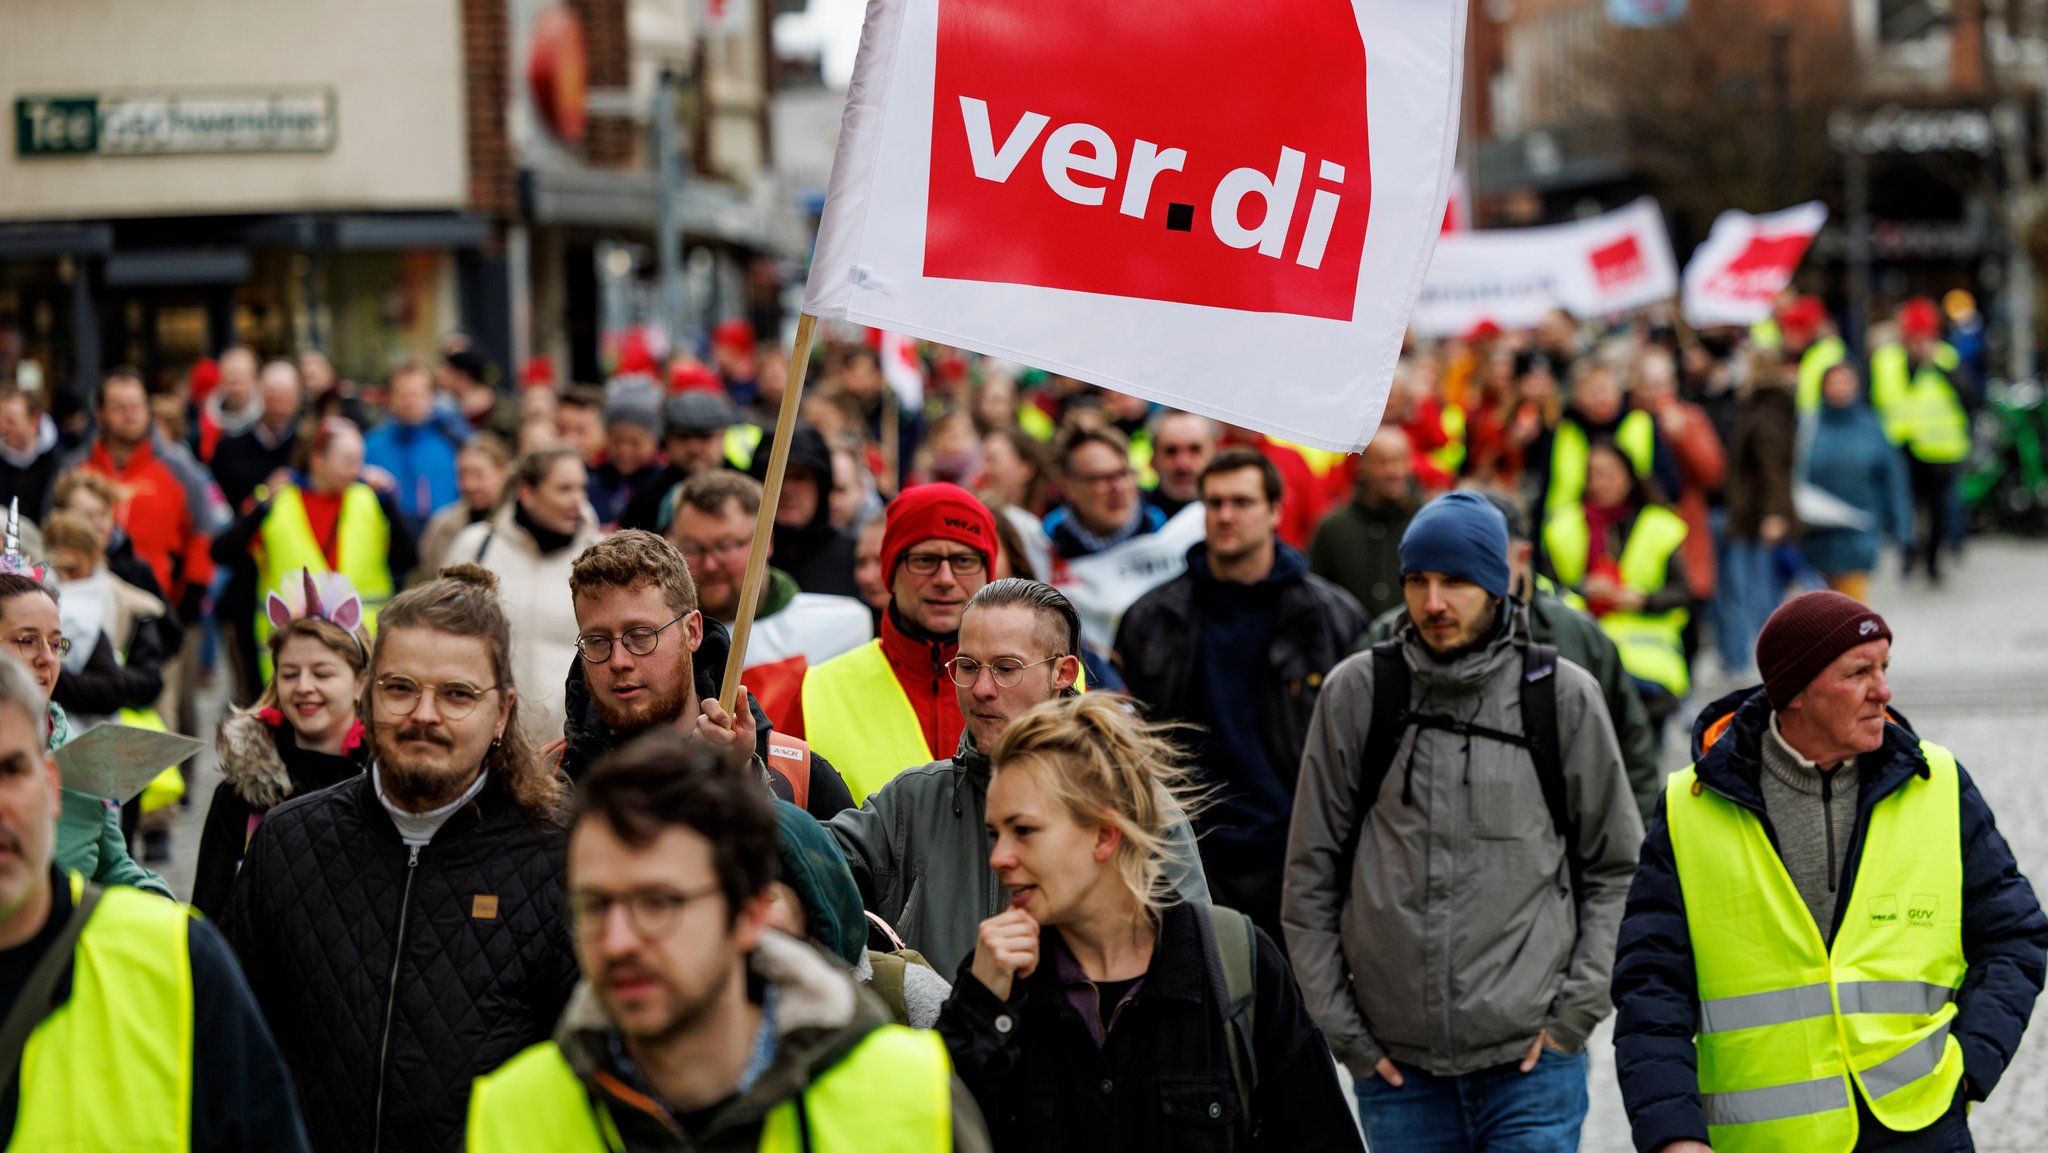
point(487, 93)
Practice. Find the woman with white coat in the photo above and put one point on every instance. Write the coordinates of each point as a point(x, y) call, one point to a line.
point(530, 542)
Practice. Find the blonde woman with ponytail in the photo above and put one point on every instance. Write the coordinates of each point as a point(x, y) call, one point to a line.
point(1100, 1012)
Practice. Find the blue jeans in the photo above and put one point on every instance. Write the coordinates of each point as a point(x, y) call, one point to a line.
point(1497, 1110)
point(1749, 590)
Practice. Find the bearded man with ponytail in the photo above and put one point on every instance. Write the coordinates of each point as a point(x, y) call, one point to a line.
point(1099, 1011)
point(402, 930)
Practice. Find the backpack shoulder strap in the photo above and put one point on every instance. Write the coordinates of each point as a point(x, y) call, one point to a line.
point(1382, 735)
point(887, 984)
point(1237, 952)
point(1539, 728)
point(791, 757)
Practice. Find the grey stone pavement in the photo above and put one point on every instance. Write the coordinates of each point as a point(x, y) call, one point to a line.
point(1970, 665)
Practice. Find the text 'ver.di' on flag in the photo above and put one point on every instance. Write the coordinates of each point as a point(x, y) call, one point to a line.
point(1220, 206)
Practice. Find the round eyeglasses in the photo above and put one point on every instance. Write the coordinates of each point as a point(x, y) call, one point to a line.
point(597, 647)
point(1007, 672)
point(400, 696)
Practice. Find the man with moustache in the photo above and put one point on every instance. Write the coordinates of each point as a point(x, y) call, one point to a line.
point(402, 930)
point(129, 992)
point(648, 658)
point(700, 1028)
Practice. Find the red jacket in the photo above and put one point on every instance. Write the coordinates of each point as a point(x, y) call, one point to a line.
point(158, 518)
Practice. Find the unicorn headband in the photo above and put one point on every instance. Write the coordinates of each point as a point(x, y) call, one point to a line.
point(340, 606)
point(12, 561)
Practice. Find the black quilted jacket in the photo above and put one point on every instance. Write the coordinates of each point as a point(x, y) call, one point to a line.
point(391, 979)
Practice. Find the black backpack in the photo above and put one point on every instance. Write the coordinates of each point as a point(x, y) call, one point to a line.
point(1391, 719)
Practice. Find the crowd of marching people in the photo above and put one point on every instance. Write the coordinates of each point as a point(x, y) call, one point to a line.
point(1099, 775)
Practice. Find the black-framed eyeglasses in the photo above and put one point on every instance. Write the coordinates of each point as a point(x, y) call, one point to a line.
point(400, 696)
point(597, 647)
point(29, 643)
point(1006, 671)
point(927, 563)
point(652, 913)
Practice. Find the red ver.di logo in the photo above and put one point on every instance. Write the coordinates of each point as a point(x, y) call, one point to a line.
point(1762, 268)
point(1618, 263)
point(1207, 152)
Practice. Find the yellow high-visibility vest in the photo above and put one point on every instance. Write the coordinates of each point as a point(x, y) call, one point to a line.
point(1790, 1028)
point(892, 1094)
point(287, 544)
point(1571, 453)
point(857, 717)
point(1821, 355)
point(1652, 644)
point(1920, 410)
point(111, 1067)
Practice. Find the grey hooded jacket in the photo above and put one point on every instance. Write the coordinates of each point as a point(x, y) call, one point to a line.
point(919, 851)
point(1451, 938)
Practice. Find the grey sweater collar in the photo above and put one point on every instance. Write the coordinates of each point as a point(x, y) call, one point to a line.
point(1791, 767)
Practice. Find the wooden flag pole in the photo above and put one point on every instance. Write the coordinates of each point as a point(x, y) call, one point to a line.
point(764, 521)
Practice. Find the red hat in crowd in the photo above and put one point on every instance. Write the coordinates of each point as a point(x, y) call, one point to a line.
point(736, 335)
point(205, 378)
point(1483, 331)
point(693, 377)
point(634, 357)
point(1805, 636)
point(1803, 315)
point(1919, 319)
point(538, 373)
point(936, 512)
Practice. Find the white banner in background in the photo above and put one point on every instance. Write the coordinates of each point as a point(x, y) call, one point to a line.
point(1746, 261)
point(1610, 263)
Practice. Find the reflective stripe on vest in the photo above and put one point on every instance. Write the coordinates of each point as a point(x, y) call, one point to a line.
point(891, 1094)
point(1814, 363)
point(1635, 436)
point(111, 1068)
point(1787, 1024)
point(1652, 644)
point(1920, 411)
point(857, 717)
point(287, 544)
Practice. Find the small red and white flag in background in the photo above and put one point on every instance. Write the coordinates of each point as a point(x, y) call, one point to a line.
point(901, 366)
point(1746, 261)
point(1171, 198)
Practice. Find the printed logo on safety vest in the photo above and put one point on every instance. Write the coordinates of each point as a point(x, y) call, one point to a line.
point(1884, 911)
point(1923, 910)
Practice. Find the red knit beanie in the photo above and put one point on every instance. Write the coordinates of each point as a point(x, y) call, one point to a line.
point(1806, 634)
point(936, 511)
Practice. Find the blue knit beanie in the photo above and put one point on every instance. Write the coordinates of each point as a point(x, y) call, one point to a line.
point(1460, 534)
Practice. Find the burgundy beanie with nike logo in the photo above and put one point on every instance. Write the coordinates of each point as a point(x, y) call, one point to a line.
point(1806, 634)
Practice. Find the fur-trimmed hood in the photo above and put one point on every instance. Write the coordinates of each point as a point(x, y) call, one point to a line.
point(252, 759)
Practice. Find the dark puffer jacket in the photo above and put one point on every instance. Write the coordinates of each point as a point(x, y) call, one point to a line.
point(2005, 937)
point(585, 737)
point(393, 977)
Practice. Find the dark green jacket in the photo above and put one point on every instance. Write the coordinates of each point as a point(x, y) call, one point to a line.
point(1358, 549)
point(1579, 640)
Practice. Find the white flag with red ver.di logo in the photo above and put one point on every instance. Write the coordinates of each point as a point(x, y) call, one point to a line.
point(1220, 206)
point(1513, 276)
point(1746, 261)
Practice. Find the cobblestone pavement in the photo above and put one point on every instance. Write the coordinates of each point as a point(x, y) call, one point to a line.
point(1971, 671)
point(1970, 665)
